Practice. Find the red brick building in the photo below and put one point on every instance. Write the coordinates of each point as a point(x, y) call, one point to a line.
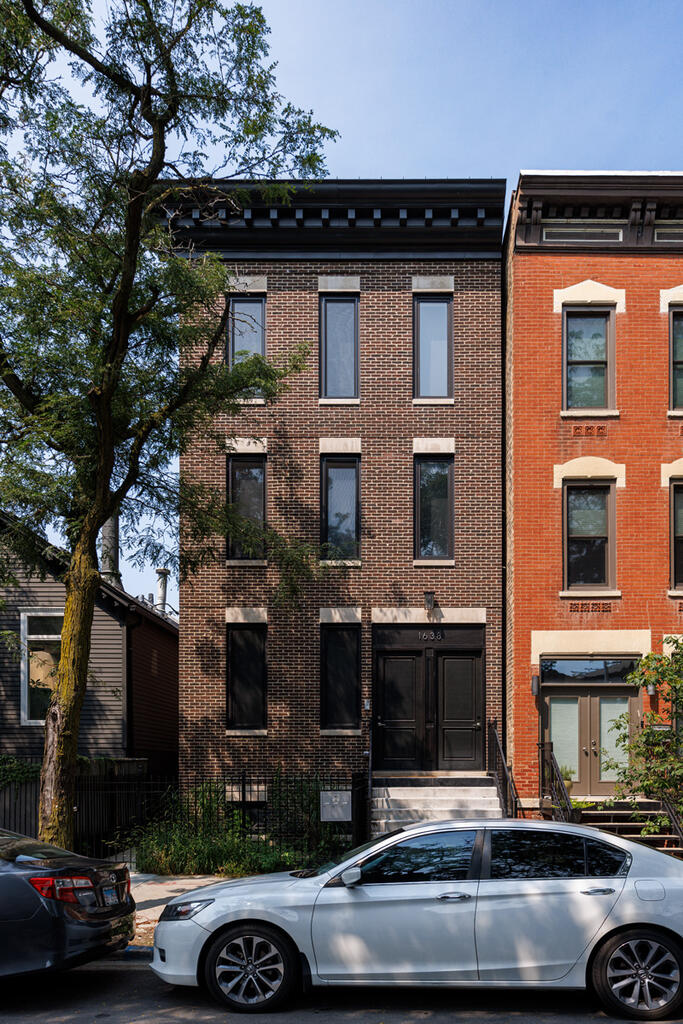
point(594, 406)
point(386, 450)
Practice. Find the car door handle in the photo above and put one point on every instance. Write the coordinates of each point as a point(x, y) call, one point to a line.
point(454, 896)
point(597, 892)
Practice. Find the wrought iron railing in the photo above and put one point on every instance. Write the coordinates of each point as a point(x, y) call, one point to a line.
point(501, 771)
point(552, 790)
point(674, 819)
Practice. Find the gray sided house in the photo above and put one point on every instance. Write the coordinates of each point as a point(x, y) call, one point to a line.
point(131, 703)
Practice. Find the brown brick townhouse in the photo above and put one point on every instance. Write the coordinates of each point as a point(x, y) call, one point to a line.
point(386, 450)
point(594, 386)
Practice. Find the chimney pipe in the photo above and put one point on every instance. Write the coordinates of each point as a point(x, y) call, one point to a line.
point(162, 585)
point(110, 552)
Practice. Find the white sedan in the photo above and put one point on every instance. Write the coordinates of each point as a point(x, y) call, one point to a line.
point(509, 904)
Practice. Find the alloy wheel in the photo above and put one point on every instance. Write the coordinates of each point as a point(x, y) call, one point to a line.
point(249, 969)
point(643, 974)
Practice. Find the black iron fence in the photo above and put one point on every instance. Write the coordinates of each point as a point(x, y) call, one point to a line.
point(157, 823)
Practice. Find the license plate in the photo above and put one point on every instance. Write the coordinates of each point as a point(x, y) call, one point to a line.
point(110, 896)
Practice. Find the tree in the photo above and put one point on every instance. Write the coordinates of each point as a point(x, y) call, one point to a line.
point(111, 337)
point(653, 766)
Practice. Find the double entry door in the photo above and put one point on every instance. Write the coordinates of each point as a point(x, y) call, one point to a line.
point(579, 724)
point(428, 707)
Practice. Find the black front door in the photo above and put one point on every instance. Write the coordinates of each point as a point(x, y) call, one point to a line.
point(428, 702)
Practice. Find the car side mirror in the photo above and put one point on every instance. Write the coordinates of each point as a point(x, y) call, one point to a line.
point(351, 877)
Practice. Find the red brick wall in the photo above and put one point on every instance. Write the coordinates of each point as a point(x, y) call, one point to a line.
point(642, 438)
point(386, 421)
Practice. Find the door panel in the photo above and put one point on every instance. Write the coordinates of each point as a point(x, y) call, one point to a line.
point(459, 690)
point(605, 707)
point(400, 719)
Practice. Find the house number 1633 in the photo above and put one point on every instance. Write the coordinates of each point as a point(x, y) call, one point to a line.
point(430, 635)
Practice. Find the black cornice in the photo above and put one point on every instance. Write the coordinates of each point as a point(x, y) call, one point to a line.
point(334, 219)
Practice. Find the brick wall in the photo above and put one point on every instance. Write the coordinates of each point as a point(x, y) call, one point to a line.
point(642, 438)
point(386, 421)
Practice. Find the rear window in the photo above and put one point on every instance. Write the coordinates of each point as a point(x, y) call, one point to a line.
point(19, 847)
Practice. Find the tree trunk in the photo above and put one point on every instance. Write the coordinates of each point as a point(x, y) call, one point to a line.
point(58, 774)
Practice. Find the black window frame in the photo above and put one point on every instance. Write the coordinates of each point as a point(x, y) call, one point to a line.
point(325, 630)
point(676, 487)
point(675, 312)
point(322, 347)
point(417, 301)
point(248, 297)
point(230, 719)
point(417, 462)
point(610, 347)
point(610, 557)
point(245, 458)
point(340, 460)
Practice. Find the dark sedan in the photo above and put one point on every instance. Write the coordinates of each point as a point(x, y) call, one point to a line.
point(58, 909)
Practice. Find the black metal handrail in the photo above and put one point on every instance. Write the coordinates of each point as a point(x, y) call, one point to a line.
point(501, 771)
point(674, 819)
point(551, 784)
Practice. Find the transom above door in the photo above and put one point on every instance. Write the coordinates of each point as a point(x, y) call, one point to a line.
point(582, 698)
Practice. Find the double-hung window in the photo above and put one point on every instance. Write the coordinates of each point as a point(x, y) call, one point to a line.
point(432, 347)
point(677, 535)
point(246, 690)
point(589, 536)
point(676, 349)
point(339, 346)
point(340, 677)
point(340, 500)
point(41, 644)
point(247, 331)
point(589, 359)
point(433, 508)
point(247, 496)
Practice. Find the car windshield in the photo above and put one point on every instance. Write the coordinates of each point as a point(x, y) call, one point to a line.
point(331, 864)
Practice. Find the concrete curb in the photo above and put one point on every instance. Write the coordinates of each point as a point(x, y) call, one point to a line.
point(134, 954)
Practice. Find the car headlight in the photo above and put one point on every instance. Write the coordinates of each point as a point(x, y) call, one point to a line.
point(183, 911)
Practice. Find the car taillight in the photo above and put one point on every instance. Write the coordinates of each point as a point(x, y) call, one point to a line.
point(127, 877)
point(63, 889)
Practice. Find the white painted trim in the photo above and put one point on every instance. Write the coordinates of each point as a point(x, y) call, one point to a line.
point(440, 616)
point(433, 445)
point(339, 283)
point(589, 293)
point(247, 445)
point(670, 470)
point(24, 664)
point(339, 401)
point(434, 283)
point(589, 467)
point(330, 616)
point(433, 401)
point(236, 615)
point(250, 283)
point(589, 414)
point(570, 642)
point(669, 296)
point(340, 446)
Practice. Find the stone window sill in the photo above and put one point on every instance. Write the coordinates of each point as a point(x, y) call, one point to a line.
point(676, 594)
point(433, 563)
point(433, 401)
point(675, 414)
point(590, 595)
point(239, 563)
point(251, 401)
point(339, 401)
point(589, 414)
point(246, 732)
point(340, 732)
point(350, 563)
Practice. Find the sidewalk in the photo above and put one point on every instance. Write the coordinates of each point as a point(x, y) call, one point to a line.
point(151, 894)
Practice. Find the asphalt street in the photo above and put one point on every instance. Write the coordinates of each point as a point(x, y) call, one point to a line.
point(130, 994)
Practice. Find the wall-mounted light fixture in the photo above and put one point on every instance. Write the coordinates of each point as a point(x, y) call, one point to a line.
point(651, 690)
point(535, 686)
point(429, 601)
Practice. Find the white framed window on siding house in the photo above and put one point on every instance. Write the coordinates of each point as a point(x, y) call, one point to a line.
point(41, 644)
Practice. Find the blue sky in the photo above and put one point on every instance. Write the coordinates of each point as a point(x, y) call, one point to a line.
point(482, 88)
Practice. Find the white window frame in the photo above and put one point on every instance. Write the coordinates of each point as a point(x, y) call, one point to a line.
point(24, 638)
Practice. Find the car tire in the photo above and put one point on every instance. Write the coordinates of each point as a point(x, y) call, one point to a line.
point(251, 968)
point(639, 974)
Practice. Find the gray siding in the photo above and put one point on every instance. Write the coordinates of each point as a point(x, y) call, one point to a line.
point(102, 729)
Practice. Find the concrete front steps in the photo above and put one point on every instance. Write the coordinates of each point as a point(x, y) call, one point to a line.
point(619, 820)
point(403, 799)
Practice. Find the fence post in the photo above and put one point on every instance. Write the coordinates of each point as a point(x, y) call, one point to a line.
point(243, 802)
